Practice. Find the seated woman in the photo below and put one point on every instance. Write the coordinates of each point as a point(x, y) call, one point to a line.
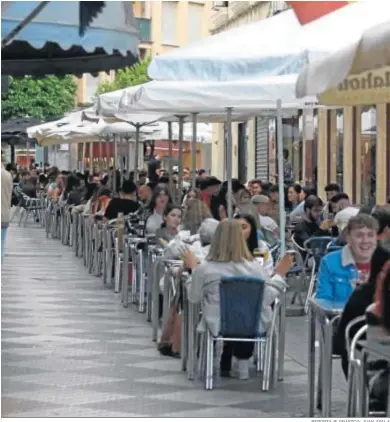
point(229, 256)
point(195, 211)
point(249, 230)
point(339, 270)
point(155, 210)
point(71, 195)
point(360, 300)
point(126, 203)
point(170, 227)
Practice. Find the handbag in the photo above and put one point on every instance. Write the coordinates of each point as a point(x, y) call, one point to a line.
point(170, 340)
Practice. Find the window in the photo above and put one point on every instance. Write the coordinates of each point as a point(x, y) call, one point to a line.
point(368, 155)
point(195, 12)
point(291, 142)
point(169, 19)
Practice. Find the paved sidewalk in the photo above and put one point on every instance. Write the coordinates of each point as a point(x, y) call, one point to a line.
point(69, 349)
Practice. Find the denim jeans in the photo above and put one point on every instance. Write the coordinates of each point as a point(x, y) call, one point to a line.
point(3, 236)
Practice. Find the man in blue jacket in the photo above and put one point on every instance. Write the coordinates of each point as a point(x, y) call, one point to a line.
point(342, 270)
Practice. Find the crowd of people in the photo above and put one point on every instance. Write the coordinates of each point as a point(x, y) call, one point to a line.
point(356, 275)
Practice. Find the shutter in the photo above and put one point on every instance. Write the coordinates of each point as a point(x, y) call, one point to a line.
point(261, 133)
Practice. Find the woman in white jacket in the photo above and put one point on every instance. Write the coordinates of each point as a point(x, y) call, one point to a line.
point(229, 256)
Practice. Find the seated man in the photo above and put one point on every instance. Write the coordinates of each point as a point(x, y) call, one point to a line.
point(299, 211)
point(343, 209)
point(331, 191)
point(262, 204)
point(309, 226)
point(126, 203)
point(342, 270)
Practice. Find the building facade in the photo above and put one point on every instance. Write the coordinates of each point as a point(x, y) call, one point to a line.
point(163, 26)
point(250, 139)
point(350, 146)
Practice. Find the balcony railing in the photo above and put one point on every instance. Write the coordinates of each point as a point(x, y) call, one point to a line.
point(144, 26)
point(237, 7)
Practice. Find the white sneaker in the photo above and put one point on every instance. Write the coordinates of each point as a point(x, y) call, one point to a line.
point(240, 369)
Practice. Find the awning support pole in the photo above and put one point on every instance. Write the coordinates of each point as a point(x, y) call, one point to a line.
point(91, 158)
point(83, 157)
point(114, 186)
point(229, 162)
point(180, 161)
point(170, 158)
point(136, 152)
point(55, 154)
point(70, 156)
point(282, 225)
point(194, 136)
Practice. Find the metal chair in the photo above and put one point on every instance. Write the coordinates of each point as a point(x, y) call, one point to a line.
point(109, 253)
point(316, 249)
point(298, 272)
point(241, 301)
point(332, 247)
point(328, 327)
point(354, 364)
point(29, 207)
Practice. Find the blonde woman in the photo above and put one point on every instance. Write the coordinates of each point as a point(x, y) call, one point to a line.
point(229, 256)
point(195, 212)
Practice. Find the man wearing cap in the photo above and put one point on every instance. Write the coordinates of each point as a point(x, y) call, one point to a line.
point(262, 204)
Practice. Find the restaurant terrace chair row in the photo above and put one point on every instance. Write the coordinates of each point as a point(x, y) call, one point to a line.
point(133, 266)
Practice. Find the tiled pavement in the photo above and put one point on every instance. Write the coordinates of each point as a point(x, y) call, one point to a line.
point(69, 349)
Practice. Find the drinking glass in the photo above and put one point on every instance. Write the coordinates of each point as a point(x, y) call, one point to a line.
point(355, 278)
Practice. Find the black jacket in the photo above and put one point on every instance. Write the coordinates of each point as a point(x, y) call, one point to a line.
point(306, 229)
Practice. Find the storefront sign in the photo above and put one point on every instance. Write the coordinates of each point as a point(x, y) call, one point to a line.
point(372, 87)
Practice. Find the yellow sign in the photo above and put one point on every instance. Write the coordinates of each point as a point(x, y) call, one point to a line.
point(371, 87)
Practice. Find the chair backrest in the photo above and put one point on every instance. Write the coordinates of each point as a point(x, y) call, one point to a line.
point(296, 246)
point(317, 247)
point(241, 300)
point(332, 247)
